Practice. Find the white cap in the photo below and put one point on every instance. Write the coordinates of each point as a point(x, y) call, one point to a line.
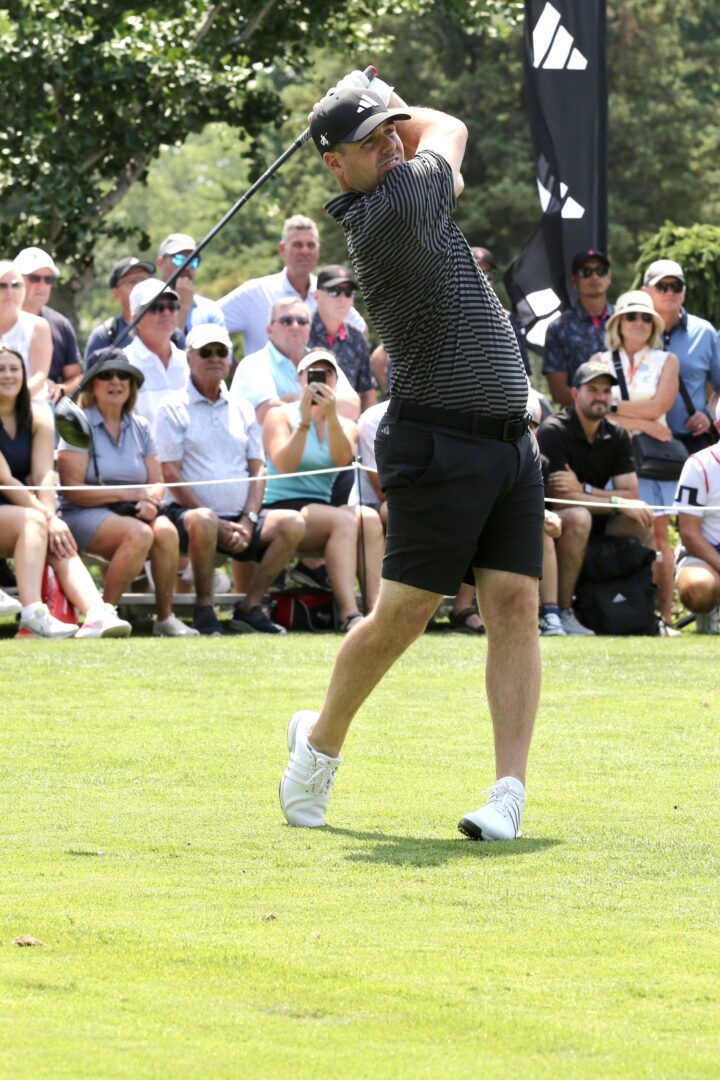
point(318, 356)
point(207, 334)
point(661, 268)
point(175, 242)
point(31, 259)
point(146, 291)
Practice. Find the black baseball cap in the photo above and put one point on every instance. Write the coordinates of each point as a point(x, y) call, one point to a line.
point(121, 268)
point(349, 116)
point(593, 369)
point(584, 256)
point(334, 275)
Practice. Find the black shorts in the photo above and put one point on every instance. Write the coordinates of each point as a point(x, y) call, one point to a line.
point(456, 502)
point(252, 553)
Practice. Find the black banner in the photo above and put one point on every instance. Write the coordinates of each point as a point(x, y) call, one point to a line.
point(565, 97)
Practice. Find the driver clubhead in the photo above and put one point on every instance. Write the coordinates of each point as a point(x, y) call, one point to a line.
point(72, 424)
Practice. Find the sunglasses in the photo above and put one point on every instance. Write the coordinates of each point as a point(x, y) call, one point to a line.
point(163, 305)
point(179, 259)
point(669, 286)
point(288, 320)
point(214, 350)
point(46, 279)
point(632, 316)
point(341, 290)
point(108, 376)
point(10, 284)
point(588, 271)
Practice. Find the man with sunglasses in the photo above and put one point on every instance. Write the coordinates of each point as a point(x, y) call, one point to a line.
point(579, 332)
point(268, 377)
point(40, 274)
point(246, 307)
point(153, 349)
point(202, 435)
point(331, 329)
point(696, 345)
point(194, 308)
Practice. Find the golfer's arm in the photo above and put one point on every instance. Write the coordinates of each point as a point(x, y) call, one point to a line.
point(428, 129)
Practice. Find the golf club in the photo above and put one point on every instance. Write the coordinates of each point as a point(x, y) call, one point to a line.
point(70, 420)
point(370, 73)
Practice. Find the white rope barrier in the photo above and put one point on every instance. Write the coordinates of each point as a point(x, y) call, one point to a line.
point(354, 466)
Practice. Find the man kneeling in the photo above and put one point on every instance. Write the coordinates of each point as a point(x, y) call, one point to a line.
point(202, 435)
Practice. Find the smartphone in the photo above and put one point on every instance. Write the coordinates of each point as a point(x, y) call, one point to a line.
point(316, 374)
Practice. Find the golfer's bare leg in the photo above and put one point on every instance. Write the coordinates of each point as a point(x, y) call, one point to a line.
point(399, 617)
point(509, 606)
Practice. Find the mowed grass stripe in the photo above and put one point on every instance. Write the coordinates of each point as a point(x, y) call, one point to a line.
point(188, 932)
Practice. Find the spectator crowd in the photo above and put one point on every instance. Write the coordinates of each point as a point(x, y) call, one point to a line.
point(197, 459)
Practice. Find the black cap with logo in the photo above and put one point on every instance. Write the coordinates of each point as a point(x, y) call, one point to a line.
point(349, 116)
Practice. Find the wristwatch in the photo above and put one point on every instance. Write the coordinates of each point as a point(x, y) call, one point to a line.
point(614, 407)
point(251, 516)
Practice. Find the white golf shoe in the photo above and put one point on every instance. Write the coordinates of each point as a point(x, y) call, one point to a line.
point(499, 818)
point(309, 776)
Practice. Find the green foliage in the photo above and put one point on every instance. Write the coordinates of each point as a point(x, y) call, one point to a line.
point(188, 932)
point(697, 249)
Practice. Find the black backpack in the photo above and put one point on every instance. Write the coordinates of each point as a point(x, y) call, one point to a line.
point(615, 593)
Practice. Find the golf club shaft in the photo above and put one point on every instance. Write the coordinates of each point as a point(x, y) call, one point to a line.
point(370, 73)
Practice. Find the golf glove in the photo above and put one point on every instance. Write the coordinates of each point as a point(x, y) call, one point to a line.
point(360, 80)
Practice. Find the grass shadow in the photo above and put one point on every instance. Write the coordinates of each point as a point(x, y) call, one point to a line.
point(426, 851)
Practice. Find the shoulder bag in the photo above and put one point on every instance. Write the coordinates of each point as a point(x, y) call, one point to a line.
point(654, 460)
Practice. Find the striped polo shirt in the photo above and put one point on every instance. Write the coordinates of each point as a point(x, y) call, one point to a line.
point(451, 342)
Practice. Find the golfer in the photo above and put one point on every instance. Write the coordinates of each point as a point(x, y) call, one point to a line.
point(459, 469)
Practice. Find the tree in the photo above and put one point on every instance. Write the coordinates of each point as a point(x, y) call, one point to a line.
point(92, 91)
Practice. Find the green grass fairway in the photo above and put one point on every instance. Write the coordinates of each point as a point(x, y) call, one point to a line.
point(188, 932)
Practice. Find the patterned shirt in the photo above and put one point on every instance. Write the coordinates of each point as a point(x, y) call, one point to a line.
point(349, 348)
point(451, 342)
point(699, 487)
point(574, 338)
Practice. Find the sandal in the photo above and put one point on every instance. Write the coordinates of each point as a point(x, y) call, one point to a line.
point(459, 621)
point(349, 622)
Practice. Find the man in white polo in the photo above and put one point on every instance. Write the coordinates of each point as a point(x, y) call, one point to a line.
point(152, 349)
point(203, 435)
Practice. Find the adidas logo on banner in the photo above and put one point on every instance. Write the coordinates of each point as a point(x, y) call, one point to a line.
point(553, 46)
point(618, 598)
point(366, 103)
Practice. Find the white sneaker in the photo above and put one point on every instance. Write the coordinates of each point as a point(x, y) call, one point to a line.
point(173, 627)
point(9, 605)
point(550, 625)
point(499, 818)
point(308, 779)
point(706, 622)
point(110, 625)
point(41, 624)
point(221, 580)
point(571, 625)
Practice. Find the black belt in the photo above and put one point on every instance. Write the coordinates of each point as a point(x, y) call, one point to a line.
point(491, 428)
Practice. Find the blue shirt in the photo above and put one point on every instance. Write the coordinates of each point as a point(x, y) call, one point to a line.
point(573, 338)
point(264, 374)
point(697, 347)
point(316, 455)
point(121, 462)
point(203, 310)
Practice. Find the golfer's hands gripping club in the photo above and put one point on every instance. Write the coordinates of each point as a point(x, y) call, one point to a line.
point(361, 79)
